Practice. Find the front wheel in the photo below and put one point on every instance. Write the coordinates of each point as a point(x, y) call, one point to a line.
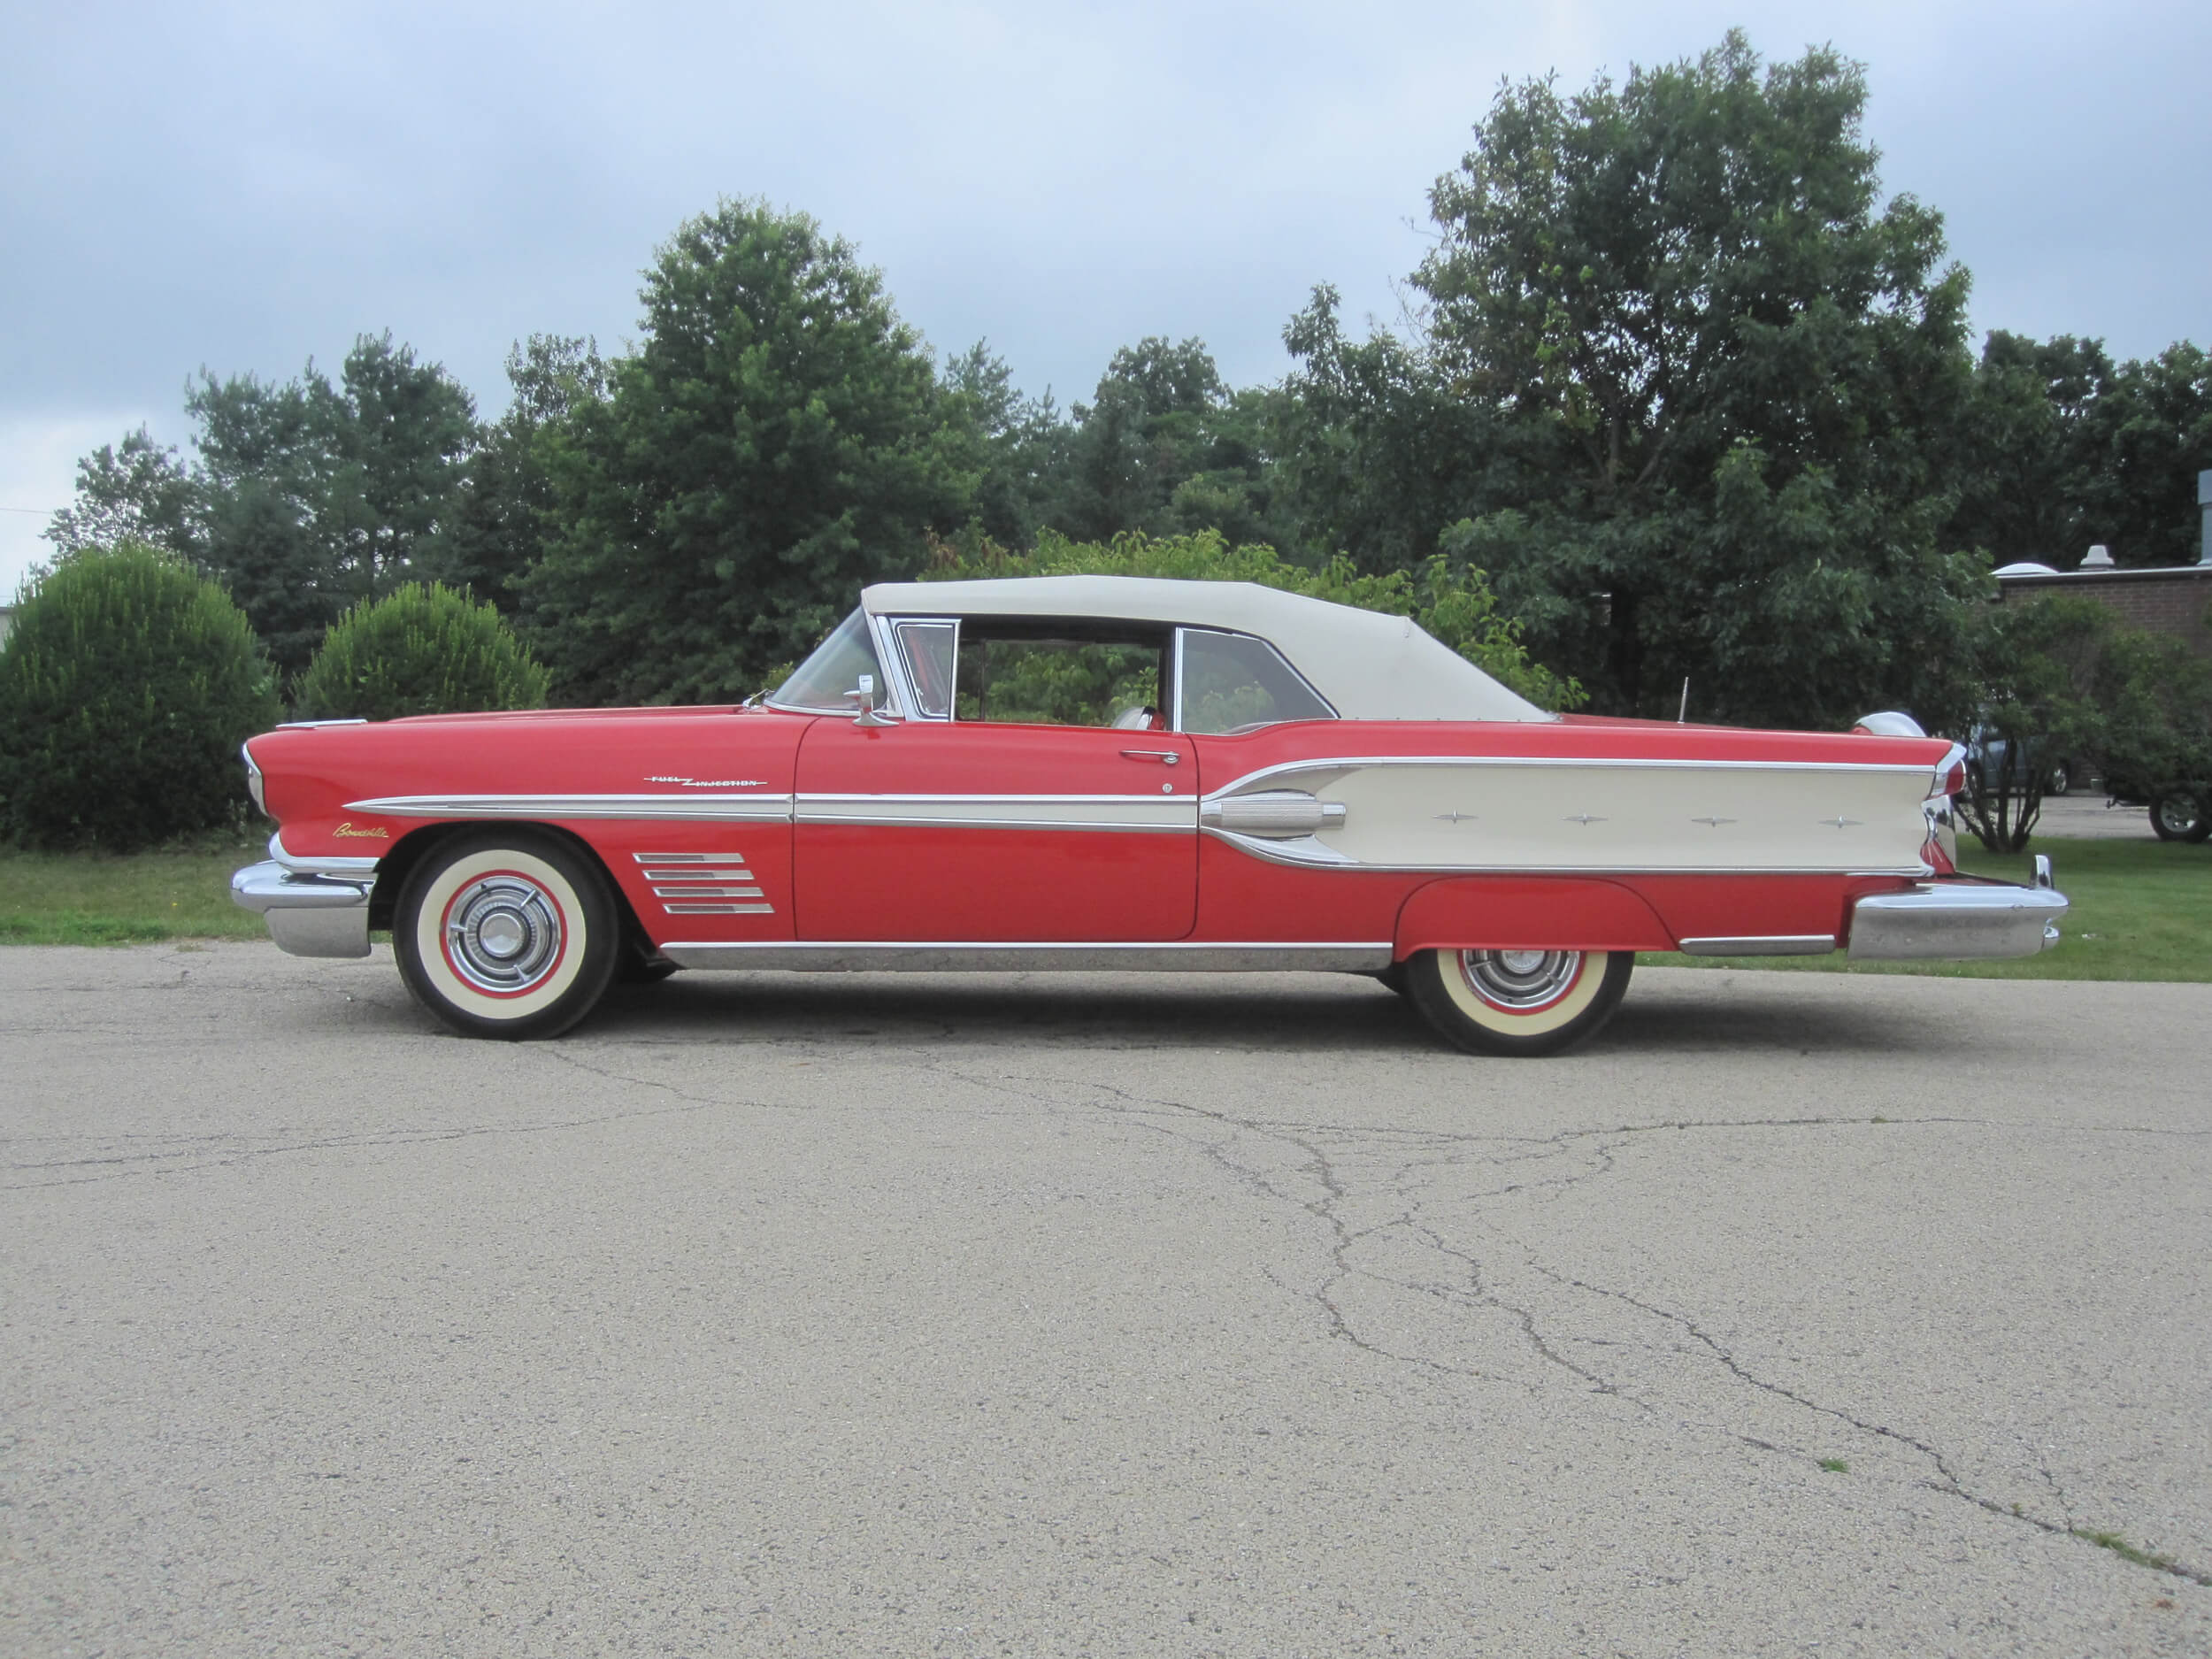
point(1524, 1002)
point(2179, 816)
point(506, 934)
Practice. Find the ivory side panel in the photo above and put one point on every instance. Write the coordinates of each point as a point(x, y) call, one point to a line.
point(1570, 817)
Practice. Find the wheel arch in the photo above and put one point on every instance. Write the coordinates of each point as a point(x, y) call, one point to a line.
point(411, 848)
point(1527, 913)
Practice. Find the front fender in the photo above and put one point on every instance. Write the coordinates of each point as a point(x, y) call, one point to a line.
point(1527, 913)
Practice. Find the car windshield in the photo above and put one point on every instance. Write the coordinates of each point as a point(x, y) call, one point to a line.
point(826, 680)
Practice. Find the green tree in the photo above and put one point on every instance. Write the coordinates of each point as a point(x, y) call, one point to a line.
point(778, 439)
point(316, 495)
point(265, 457)
point(423, 648)
point(2145, 441)
point(2027, 437)
point(127, 685)
point(1722, 382)
point(506, 510)
point(2062, 675)
point(1454, 604)
point(1023, 443)
point(1372, 449)
point(404, 429)
point(2064, 450)
point(133, 491)
point(1164, 447)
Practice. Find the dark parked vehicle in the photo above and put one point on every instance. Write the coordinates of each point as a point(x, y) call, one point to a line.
point(2178, 810)
point(1989, 764)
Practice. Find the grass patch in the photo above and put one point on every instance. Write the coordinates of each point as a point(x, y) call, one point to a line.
point(2126, 1551)
point(1835, 1465)
point(129, 898)
point(2140, 911)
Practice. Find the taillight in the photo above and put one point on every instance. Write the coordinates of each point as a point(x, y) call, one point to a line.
point(1950, 773)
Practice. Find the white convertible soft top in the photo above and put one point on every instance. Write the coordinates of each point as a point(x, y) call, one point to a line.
point(1370, 667)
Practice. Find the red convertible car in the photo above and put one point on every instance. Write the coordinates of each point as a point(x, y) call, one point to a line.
point(1114, 773)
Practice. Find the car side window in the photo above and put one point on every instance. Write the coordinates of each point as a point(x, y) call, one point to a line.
point(1038, 674)
point(1231, 682)
point(927, 650)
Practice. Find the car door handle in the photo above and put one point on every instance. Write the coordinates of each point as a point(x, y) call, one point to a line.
point(1166, 757)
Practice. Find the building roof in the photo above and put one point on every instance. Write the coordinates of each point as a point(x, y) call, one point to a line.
point(2043, 574)
point(1370, 667)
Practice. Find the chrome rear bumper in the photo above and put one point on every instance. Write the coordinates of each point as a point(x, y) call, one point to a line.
point(308, 915)
point(1958, 921)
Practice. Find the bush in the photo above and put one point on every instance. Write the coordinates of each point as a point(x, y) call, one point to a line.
point(126, 686)
point(1452, 603)
point(419, 651)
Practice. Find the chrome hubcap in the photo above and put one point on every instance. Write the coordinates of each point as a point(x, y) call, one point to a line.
point(1520, 978)
point(503, 932)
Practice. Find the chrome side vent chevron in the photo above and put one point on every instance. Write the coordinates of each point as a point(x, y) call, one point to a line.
point(699, 884)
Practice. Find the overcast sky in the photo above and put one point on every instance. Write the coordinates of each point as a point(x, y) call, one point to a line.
point(247, 186)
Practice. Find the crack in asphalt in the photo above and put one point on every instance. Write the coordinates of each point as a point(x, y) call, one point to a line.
point(112, 1167)
point(1430, 1149)
point(1318, 1165)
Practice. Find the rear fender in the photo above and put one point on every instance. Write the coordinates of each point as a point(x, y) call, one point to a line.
point(1527, 913)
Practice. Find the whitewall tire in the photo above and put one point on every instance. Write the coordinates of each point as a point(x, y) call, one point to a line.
point(506, 934)
point(1518, 1001)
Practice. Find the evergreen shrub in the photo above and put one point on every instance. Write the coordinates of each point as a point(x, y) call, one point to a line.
point(126, 686)
point(420, 650)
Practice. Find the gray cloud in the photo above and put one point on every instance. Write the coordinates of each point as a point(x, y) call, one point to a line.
point(244, 187)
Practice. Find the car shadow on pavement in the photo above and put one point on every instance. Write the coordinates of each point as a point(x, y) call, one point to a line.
point(1307, 1013)
point(1336, 1012)
point(1658, 1019)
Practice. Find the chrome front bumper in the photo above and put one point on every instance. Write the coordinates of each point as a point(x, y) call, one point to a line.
point(1958, 921)
point(309, 915)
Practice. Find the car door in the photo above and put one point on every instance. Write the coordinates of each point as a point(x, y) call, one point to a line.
point(1046, 827)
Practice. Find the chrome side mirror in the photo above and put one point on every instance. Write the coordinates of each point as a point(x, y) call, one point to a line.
point(864, 694)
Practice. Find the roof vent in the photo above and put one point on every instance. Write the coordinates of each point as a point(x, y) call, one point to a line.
point(2098, 558)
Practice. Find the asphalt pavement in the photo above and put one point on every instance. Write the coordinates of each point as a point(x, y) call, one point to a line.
point(1098, 1315)
point(2092, 818)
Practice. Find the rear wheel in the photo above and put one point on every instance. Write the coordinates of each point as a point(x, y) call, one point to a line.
point(506, 934)
point(2179, 816)
point(1523, 1003)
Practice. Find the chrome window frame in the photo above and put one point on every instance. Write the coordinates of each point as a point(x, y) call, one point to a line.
point(904, 700)
point(889, 652)
point(1175, 719)
point(910, 696)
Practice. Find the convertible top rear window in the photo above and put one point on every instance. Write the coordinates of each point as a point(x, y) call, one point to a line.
point(1233, 682)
